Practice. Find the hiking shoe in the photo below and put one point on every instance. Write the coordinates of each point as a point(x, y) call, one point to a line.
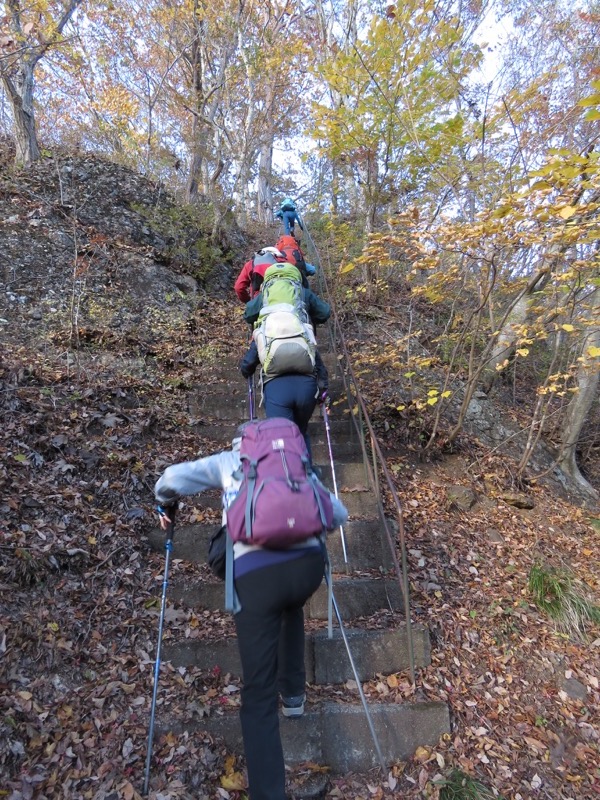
point(293, 706)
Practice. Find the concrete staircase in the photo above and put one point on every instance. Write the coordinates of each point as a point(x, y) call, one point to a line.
point(333, 734)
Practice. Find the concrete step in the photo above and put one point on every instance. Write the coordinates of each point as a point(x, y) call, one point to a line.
point(231, 403)
point(326, 660)
point(366, 544)
point(344, 449)
point(355, 596)
point(360, 502)
point(337, 735)
point(226, 379)
point(339, 426)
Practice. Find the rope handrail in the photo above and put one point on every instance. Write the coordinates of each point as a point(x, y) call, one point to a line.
point(378, 458)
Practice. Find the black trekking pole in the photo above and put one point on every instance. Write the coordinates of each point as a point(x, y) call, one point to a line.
point(325, 410)
point(169, 512)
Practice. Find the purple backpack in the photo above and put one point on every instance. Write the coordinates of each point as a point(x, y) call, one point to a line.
point(279, 502)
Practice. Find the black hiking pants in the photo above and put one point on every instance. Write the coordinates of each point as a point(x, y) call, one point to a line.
point(270, 632)
point(293, 397)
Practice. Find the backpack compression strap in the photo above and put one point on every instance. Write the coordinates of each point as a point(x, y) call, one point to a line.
point(251, 483)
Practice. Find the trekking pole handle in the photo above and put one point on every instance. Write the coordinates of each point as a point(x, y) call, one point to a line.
point(168, 513)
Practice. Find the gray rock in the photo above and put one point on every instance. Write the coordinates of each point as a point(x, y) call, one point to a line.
point(573, 688)
point(517, 499)
point(461, 496)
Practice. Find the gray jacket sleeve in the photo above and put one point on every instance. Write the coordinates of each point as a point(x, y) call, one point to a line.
point(191, 477)
point(340, 512)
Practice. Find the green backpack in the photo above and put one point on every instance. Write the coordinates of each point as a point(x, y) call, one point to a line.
point(284, 337)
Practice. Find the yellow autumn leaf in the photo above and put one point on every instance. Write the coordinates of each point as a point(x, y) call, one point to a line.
point(422, 753)
point(567, 212)
point(432, 393)
point(432, 401)
point(523, 351)
point(447, 393)
point(233, 782)
point(347, 268)
point(567, 327)
point(400, 408)
point(593, 352)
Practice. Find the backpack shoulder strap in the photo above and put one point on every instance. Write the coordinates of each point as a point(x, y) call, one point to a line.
point(232, 601)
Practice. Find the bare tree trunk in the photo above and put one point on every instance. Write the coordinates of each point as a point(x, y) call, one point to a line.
point(265, 194)
point(197, 68)
point(16, 72)
point(20, 94)
point(588, 379)
point(504, 347)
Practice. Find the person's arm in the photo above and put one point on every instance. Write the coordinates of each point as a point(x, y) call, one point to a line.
point(191, 477)
point(322, 374)
point(242, 284)
point(299, 221)
point(252, 309)
point(250, 361)
point(318, 310)
point(279, 214)
point(340, 512)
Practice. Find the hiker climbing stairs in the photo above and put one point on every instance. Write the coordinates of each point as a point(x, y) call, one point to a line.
point(367, 592)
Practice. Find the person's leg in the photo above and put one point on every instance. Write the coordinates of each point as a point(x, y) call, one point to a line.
point(279, 398)
point(304, 578)
point(265, 594)
point(304, 402)
point(258, 627)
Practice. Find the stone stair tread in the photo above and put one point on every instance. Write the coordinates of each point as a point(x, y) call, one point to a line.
point(355, 596)
point(337, 734)
point(378, 651)
point(366, 544)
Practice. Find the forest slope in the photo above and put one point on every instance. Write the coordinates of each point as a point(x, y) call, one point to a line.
point(103, 336)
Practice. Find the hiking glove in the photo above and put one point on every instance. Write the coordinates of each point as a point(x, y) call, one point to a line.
point(168, 509)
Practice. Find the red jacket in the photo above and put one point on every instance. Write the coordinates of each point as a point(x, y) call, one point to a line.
point(257, 265)
point(243, 284)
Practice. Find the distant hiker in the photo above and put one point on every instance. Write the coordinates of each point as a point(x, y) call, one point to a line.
point(293, 375)
point(248, 282)
point(272, 586)
point(289, 216)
